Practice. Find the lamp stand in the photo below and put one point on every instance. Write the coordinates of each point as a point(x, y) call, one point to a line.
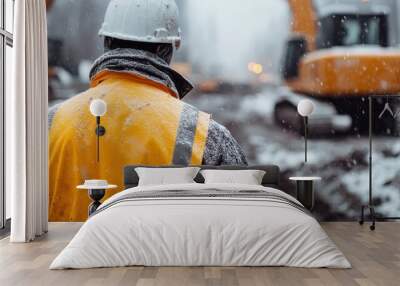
point(305, 137)
point(100, 131)
point(370, 205)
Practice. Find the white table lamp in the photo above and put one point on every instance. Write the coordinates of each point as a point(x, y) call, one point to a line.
point(305, 108)
point(98, 108)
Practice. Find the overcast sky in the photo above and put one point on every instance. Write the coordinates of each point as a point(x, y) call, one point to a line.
point(224, 35)
point(220, 37)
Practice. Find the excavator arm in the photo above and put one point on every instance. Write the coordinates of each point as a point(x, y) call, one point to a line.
point(49, 3)
point(304, 20)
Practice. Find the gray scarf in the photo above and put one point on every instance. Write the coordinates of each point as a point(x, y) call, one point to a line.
point(144, 64)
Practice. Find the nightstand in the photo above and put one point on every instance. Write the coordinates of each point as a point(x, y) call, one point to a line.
point(305, 190)
point(96, 191)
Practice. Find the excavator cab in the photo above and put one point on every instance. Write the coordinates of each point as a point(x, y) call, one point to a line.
point(339, 53)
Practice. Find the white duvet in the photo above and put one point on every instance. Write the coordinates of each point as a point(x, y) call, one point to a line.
point(200, 232)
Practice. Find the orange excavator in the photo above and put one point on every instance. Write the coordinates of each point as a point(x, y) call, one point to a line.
point(340, 52)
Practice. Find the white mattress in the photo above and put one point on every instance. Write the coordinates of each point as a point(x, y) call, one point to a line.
point(193, 231)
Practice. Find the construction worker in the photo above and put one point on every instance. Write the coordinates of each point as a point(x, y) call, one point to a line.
point(146, 122)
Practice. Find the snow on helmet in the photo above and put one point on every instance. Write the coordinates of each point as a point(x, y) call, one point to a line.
point(151, 21)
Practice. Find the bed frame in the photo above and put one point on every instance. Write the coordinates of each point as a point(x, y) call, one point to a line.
point(271, 177)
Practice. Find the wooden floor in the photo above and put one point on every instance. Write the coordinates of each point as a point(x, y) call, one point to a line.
point(375, 257)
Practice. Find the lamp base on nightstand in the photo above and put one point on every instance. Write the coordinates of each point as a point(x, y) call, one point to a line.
point(96, 191)
point(96, 195)
point(305, 194)
point(305, 190)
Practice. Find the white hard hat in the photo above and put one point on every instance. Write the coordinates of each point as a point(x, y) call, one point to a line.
point(152, 21)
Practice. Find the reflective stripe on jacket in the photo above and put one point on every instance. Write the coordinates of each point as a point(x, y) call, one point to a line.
point(145, 124)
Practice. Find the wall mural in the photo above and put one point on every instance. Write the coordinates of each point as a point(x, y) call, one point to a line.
point(246, 76)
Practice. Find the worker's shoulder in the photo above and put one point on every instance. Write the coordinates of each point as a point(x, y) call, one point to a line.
point(219, 130)
point(221, 147)
point(219, 135)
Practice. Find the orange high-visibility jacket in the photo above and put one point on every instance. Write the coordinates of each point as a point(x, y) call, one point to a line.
point(145, 124)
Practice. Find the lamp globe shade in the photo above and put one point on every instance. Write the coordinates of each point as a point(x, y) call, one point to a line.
point(305, 107)
point(98, 107)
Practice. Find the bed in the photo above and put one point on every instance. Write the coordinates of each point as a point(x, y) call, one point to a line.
point(198, 224)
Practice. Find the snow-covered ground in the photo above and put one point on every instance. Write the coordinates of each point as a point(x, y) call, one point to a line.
point(342, 162)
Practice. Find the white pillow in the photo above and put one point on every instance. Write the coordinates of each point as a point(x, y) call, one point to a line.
point(166, 176)
point(247, 177)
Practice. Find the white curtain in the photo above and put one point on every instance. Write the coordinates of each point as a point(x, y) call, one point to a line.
point(26, 124)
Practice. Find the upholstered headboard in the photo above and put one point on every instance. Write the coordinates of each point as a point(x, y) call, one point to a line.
point(271, 177)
